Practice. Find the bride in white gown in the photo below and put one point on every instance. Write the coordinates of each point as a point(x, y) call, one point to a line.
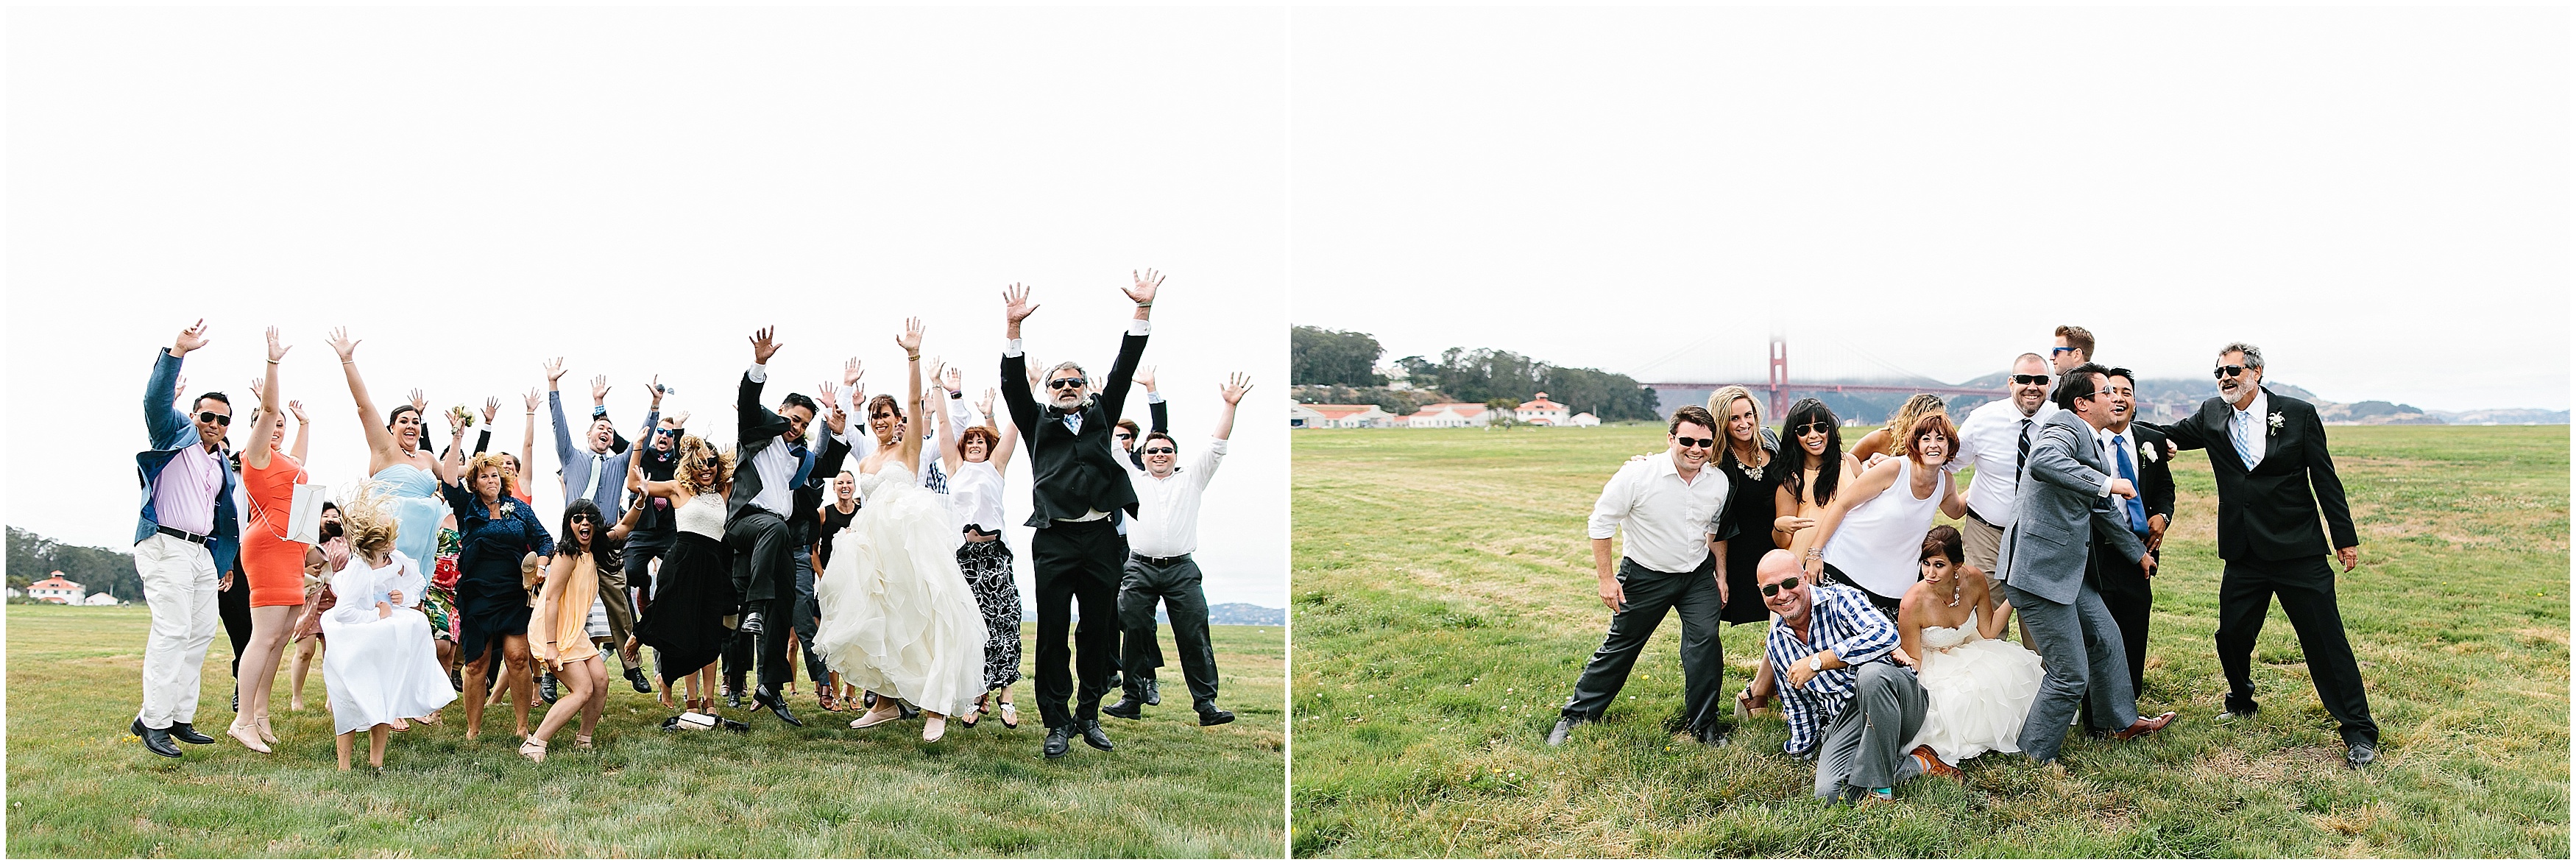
point(1980, 688)
point(898, 618)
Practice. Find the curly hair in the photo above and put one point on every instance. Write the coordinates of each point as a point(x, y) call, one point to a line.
point(370, 530)
point(498, 462)
point(695, 453)
point(1902, 422)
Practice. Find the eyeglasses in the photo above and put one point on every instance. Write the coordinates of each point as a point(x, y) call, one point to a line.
point(213, 418)
point(2040, 380)
point(1775, 588)
point(1817, 427)
point(1124, 435)
point(2228, 371)
point(1688, 442)
point(1152, 451)
point(1064, 384)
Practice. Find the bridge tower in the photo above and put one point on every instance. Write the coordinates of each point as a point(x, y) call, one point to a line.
point(1779, 376)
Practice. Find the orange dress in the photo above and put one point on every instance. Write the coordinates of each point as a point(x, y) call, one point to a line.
point(572, 613)
point(273, 564)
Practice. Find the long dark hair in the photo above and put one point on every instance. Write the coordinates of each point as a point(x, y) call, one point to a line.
point(1828, 473)
point(569, 544)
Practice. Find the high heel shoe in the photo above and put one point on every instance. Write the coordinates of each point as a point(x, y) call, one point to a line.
point(532, 749)
point(266, 734)
point(248, 735)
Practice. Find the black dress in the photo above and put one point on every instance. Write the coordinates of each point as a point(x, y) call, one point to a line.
point(1750, 508)
point(490, 600)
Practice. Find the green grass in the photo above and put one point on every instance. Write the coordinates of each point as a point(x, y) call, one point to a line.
point(1443, 604)
point(79, 785)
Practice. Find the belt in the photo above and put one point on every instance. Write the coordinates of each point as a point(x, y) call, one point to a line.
point(1161, 562)
point(190, 538)
point(1972, 514)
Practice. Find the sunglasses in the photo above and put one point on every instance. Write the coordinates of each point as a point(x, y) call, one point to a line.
point(2059, 350)
point(1688, 442)
point(2228, 371)
point(2031, 379)
point(1064, 384)
point(1775, 588)
point(1152, 451)
point(581, 519)
point(1817, 427)
point(213, 418)
point(1124, 436)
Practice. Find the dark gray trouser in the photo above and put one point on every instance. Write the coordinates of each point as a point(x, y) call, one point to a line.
point(1176, 585)
point(809, 616)
point(2079, 643)
point(1864, 746)
point(1650, 594)
point(2306, 588)
point(764, 571)
point(612, 594)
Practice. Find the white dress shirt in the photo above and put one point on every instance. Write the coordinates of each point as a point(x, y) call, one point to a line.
point(1167, 508)
point(2251, 426)
point(777, 467)
point(1668, 520)
point(1990, 442)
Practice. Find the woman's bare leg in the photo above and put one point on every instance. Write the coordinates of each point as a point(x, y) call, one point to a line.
point(577, 684)
point(376, 737)
point(474, 694)
point(598, 702)
point(305, 651)
point(514, 649)
point(269, 628)
point(347, 741)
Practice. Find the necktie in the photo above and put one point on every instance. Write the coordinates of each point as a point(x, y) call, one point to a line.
point(2023, 455)
point(2244, 427)
point(2129, 470)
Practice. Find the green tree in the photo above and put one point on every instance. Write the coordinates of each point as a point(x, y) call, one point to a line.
point(1319, 356)
point(32, 557)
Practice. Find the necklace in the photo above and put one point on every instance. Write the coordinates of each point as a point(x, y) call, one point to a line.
point(1954, 592)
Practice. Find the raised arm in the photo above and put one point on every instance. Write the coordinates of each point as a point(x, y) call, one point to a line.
point(949, 458)
point(161, 414)
point(528, 444)
point(302, 426)
point(263, 435)
point(1236, 385)
point(909, 449)
point(1015, 363)
point(554, 403)
point(1131, 348)
point(381, 449)
point(748, 414)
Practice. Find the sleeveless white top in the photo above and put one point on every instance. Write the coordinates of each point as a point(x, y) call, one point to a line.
point(1879, 540)
point(702, 515)
point(975, 493)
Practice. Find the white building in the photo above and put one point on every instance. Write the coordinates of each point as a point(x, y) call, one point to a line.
point(101, 599)
point(55, 589)
point(1450, 414)
point(1331, 416)
point(1584, 419)
point(1542, 412)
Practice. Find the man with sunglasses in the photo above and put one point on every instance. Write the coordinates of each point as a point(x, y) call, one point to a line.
point(184, 544)
point(2268, 452)
point(1995, 441)
point(1850, 706)
point(1670, 508)
point(2074, 348)
point(1160, 570)
point(1077, 493)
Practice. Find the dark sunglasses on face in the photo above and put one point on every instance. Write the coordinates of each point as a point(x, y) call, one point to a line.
point(2227, 371)
point(1819, 428)
point(213, 418)
point(2040, 380)
point(581, 519)
point(1064, 384)
point(1776, 588)
point(1123, 436)
point(2060, 350)
point(1152, 451)
point(1688, 442)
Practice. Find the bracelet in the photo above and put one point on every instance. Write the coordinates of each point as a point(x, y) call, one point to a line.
point(1146, 305)
point(913, 357)
point(272, 360)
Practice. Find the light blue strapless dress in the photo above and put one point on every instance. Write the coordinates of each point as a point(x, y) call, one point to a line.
point(416, 508)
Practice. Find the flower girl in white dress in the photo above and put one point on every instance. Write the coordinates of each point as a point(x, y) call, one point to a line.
point(382, 666)
point(1980, 687)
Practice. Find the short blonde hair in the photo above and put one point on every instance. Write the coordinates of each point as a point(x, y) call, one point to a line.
point(371, 531)
point(695, 454)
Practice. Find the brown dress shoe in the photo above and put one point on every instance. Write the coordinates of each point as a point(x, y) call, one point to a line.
point(1932, 764)
point(2144, 726)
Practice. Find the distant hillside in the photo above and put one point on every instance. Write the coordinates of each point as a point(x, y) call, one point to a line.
point(1246, 614)
point(2160, 400)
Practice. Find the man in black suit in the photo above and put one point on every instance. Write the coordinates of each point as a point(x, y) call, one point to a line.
point(772, 463)
point(2139, 453)
point(2268, 452)
point(1078, 498)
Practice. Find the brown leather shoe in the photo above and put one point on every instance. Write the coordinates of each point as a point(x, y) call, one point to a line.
point(2144, 726)
point(1932, 765)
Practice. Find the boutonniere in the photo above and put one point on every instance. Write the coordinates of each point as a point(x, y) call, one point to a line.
point(507, 509)
point(2275, 422)
point(2146, 451)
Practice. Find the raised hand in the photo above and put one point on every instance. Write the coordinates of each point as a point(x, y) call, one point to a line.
point(340, 343)
point(986, 406)
point(851, 373)
point(1236, 385)
point(1015, 303)
point(275, 352)
point(955, 381)
point(938, 369)
point(763, 346)
point(831, 400)
point(654, 387)
point(911, 338)
point(599, 390)
point(1147, 282)
point(1037, 374)
point(491, 409)
point(257, 391)
point(535, 398)
point(680, 420)
point(296, 408)
point(554, 373)
point(419, 402)
point(189, 340)
point(1146, 377)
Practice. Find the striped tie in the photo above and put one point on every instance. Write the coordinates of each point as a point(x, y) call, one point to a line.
point(2243, 429)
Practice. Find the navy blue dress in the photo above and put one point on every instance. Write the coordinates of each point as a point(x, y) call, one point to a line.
point(490, 601)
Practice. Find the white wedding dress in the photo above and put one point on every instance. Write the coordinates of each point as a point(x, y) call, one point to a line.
point(380, 669)
point(898, 618)
point(1980, 692)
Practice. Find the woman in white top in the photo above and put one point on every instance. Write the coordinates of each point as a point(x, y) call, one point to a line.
point(685, 623)
point(1874, 529)
point(897, 617)
point(381, 667)
point(976, 459)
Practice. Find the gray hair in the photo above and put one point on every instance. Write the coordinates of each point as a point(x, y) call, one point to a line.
point(2253, 356)
point(1066, 364)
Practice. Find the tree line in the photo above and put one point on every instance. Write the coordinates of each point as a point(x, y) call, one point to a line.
point(1348, 359)
point(33, 557)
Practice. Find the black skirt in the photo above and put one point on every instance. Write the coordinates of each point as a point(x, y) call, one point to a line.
point(490, 604)
point(685, 622)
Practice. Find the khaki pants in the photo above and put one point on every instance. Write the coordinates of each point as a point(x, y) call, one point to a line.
point(1982, 541)
point(179, 585)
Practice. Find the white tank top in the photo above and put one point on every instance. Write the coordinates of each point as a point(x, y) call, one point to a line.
point(975, 493)
point(702, 515)
point(1879, 540)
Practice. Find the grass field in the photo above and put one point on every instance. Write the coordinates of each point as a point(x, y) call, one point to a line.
point(1443, 603)
point(80, 786)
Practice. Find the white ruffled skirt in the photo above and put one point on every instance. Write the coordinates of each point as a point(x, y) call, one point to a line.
point(1980, 693)
point(898, 616)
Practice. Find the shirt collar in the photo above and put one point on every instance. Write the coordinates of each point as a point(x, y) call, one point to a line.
point(2261, 405)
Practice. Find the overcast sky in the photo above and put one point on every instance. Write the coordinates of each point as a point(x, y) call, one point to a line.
point(473, 190)
point(2376, 197)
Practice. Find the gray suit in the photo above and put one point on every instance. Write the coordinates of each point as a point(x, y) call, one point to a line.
point(2045, 566)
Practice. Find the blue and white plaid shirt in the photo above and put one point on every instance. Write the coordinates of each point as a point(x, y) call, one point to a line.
point(1843, 622)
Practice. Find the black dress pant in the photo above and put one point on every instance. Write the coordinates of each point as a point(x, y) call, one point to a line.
point(1175, 583)
point(1650, 594)
point(233, 606)
point(2124, 587)
point(1076, 563)
point(2306, 589)
point(764, 571)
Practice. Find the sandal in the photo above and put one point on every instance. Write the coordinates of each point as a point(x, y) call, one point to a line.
point(248, 735)
point(1010, 715)
point(580, 741)
point(532, 749)
point(829, 705)
point(430, 719)
point(872, 719)
point(266, 734)
point(398, 725)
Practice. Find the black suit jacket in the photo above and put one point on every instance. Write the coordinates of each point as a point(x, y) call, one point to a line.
point(759, 428)
point(2268, 512)
point(1075, 473)
point(2155, 475)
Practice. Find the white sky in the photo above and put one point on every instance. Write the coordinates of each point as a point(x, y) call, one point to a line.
point(2377, 197)
point(473, 190)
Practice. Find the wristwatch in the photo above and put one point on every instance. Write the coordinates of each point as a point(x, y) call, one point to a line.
point(1816, 663)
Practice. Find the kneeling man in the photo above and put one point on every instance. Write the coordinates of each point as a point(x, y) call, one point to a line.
point(1850, 706)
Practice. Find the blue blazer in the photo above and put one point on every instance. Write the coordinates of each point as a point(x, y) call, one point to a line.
point(171, 433)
